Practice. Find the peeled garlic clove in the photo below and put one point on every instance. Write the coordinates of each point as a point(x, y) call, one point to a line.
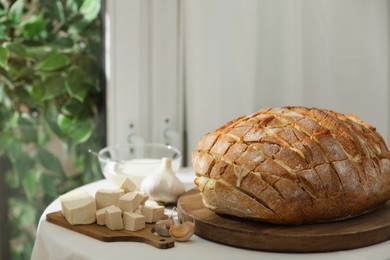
point(182, 232)
point(162, 227)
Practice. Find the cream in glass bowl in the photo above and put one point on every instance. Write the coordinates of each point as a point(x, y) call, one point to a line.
point(136, 161)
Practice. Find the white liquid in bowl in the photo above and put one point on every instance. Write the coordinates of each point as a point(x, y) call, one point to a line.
point(136, 170)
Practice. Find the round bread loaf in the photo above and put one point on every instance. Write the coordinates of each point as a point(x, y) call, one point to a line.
point(293, 165)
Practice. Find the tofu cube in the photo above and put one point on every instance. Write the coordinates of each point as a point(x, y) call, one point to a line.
point(101, 216)
point(142, 196)
point(153, 213)
point(138, 210)
point(108, 197)
point(127, 185)
point(113, 217)
point(130, 201)
point(133, 221)
point(78, 207)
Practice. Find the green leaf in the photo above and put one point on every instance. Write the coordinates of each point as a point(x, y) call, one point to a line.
point(49, 186)
point(60, 11)
point(5, 4)
point(77, 28)
point(28, 216)
point(4, 57)
point(53, 87)
point(15, 12)
point(11, 121)
point(12, 180)
point(45, 135)
point(25, 73)
point(20, 160)
point(29, 185)
point(75, 84)
point(90, 9)
point(79, 129)
point(37, 91)
point(72, 108)
point(28, 128)
point(64, 43)
point(40, 52)
point(71, 5)
point(53, 61)
point(18, 49)
point(34, 27)
point(3, 32)
point(51, 120)
point(23, 211)
point(50, 162)
point(4, 99)
point(5, 141)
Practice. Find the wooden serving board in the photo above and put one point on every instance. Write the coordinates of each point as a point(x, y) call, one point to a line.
point(361, 231)
point(104, 234)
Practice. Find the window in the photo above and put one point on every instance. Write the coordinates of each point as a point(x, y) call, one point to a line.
point(200, 64)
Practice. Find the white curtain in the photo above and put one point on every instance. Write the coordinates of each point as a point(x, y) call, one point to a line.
point(241, 56)
point(233, 57)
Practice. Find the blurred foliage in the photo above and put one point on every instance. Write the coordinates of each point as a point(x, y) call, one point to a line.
point(50, 106)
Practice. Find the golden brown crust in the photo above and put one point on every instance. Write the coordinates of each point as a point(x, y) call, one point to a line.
point(293, 165)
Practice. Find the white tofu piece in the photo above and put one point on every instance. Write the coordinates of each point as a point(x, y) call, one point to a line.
point(127, 185)
point(113, 217)
point(130, 201)
point(101, 216)
point(78, 207)
point(142, 196)
point(153, 213)
point(138, 210)
point(133, 221)
point(108, 197)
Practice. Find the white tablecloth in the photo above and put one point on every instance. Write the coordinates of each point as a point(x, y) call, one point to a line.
point(55, 242)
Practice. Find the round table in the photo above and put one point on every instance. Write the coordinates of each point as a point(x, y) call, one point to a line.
point(55, 242)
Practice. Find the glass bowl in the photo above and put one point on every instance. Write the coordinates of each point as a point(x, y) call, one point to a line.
point(135, 161)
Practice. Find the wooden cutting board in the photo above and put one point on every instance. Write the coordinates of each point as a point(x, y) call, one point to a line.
point(357, 232)
point(104, 234)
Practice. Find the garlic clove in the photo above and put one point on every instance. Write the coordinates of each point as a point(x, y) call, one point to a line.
point(162, 227)
point(163, 185)
point(182, 232)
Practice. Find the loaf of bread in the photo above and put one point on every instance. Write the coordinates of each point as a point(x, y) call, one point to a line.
point(293, 165)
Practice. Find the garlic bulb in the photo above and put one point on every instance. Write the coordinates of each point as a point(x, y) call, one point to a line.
point(163, 185)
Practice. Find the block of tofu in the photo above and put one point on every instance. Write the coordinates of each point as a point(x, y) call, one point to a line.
point(113, 218)
point(138, 210)
point(127, 185)
point(78, 207)
point(101, 215)
point(153, 213)
point(130, 201)
point(133, 221)
point(108, 197)
point(142, 196)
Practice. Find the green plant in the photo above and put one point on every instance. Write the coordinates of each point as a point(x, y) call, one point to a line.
point(50, 105)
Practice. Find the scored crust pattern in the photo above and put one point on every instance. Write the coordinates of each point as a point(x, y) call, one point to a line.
point(293, 165)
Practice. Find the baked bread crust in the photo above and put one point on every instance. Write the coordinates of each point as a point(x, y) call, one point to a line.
point(293, 165)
